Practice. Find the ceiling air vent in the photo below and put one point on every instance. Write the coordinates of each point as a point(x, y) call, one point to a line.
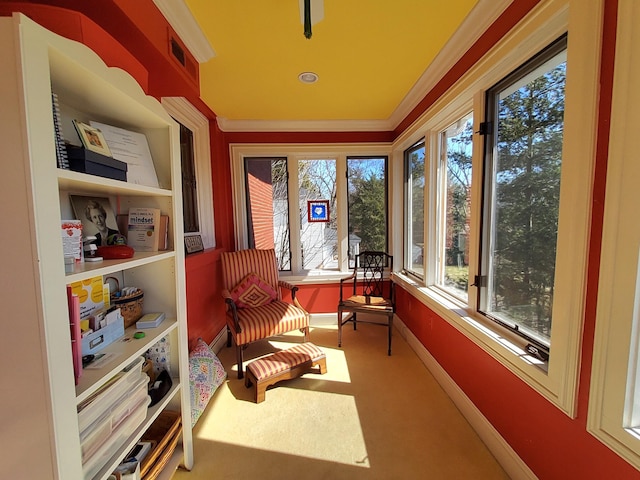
point(177, 51)
point(183, 57)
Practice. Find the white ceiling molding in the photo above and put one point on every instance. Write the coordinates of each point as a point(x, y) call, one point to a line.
point(182, 21)
point(474, 25)
point(227, 125)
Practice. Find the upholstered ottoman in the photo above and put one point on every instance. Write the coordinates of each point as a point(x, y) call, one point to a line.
point(284, 365)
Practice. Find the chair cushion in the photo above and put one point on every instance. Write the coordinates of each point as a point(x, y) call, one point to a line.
point(274, 318)
point(368, 302)
point(253, 292)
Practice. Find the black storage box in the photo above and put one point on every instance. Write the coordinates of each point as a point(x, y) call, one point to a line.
point(86, 161)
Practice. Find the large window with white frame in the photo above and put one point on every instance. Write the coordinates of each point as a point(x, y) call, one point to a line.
point(504, 226)
point(317, 209)
point(522, 174)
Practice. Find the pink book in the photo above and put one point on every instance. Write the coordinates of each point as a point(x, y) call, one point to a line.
point(74, 321)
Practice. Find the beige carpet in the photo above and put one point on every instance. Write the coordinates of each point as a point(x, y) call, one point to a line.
point(369, 417)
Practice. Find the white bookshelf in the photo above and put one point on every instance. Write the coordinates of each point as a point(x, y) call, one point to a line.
point(35, 197)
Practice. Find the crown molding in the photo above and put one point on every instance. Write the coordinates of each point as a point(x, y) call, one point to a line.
point(183, 22)
point(227, 125)
point(473, 26)
point(471, 29)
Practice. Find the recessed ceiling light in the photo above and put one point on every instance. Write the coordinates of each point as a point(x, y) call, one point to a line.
point(308, 77)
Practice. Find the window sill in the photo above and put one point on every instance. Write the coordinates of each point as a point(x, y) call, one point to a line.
point(317, 278)
point(503, 345)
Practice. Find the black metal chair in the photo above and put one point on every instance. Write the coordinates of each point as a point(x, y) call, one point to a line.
point(372, 292)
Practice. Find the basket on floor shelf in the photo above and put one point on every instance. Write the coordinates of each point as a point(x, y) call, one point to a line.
point(130, 304)
point(165, 432)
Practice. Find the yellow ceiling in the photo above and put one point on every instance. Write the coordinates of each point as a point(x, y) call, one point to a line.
point(368, 55)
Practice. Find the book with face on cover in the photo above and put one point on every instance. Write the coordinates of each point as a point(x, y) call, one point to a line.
point(143, 229)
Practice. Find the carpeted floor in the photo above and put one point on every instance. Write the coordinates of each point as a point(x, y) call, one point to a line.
point(370, 416)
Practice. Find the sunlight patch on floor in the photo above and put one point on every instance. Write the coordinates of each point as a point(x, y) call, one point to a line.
point(336, 437)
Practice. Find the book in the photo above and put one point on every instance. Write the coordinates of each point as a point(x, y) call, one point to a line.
point(74, 322)
point(122, 220)
point(72, 239)
point(150, 320)
point(90, 294)
point(143, 229)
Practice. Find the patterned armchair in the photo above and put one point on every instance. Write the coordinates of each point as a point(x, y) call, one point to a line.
point(255, 308)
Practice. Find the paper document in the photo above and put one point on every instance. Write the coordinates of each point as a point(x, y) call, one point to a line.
point(133, 149)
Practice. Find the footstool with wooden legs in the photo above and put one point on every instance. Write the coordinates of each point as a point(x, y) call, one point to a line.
point(284, 365)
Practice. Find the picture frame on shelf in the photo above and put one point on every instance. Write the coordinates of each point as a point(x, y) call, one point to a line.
point(98, 219)
point(92, 138)
point(193, 244)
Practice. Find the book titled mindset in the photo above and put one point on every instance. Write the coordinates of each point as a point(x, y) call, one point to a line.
point(143, 232)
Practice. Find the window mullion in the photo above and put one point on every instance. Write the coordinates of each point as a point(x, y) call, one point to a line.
point(343, 214)
point(294, 213)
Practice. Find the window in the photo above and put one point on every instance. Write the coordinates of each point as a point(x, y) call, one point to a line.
point(452, 269)
point(268, 207)
point(367, 205)
point(318, 239)
point(189, 182)
point(525, 113)
point(195, 149)
point(614, 399)
point(414, 201)
point(317, 209)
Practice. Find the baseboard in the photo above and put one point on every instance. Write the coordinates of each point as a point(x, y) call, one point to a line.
point(220, 341)
point(501, 450)
point(323, 319)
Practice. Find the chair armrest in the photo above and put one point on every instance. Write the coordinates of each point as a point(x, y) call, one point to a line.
point(231, 306)
point(350, 277)
point(288, 286)
point(342, 280)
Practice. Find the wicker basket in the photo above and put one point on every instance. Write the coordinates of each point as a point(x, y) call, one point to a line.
point(130, 305)
point(165, 432)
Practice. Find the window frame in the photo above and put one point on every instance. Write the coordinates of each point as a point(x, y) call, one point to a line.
point(615, 364)
point(408, 210)
point(294, 153)
point(440, 166)
point(555, 49)
point(385, 158)
point(557, 379)
point(189, 116)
